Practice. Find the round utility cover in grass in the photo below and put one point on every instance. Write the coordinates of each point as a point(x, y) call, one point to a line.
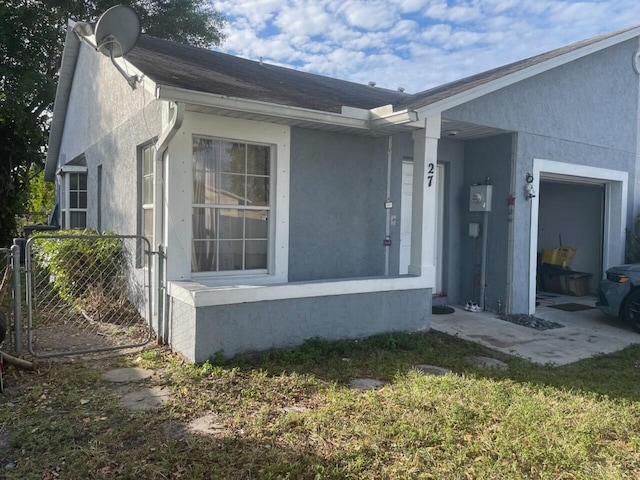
point(432, 370)
point(365, 384)
point(123, 375)
point(487, 362)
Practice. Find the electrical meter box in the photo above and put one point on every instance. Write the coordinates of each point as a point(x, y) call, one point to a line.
point(480, 198)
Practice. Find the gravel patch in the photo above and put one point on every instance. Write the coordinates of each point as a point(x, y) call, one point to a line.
point(531, 321)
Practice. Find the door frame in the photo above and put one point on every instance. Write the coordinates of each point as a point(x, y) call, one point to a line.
point(440, 199)
point(615, 211)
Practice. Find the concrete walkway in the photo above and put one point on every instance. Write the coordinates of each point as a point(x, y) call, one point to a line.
point(585, 333)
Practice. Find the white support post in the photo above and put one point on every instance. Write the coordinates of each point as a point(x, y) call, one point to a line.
point(424, 208)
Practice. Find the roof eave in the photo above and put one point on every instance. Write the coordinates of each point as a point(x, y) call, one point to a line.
point(350, 118)
point(65, 79)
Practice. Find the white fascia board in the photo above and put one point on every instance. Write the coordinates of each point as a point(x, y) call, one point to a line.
point(520, 75)
point(63, 91)
point(396, 118)
point(198, 295)
point(175, 94)
point(72, 169)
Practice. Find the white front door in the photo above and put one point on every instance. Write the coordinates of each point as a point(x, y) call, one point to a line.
point(405, 221)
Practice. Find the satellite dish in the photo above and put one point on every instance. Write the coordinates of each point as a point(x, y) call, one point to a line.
point(117, 31)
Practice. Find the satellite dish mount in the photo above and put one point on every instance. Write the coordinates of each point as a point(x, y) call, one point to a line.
point(116, 32)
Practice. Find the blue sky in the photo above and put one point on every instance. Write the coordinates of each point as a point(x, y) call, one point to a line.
point(416, 44)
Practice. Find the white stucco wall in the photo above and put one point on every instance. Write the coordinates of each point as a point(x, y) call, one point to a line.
point(107, 122)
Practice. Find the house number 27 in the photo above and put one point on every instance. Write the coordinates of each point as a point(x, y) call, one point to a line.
point(430, 172)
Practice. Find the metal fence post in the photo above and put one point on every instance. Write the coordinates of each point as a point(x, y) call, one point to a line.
point(17, 297)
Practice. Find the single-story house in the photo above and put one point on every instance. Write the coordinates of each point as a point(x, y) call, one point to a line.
point(292, 205)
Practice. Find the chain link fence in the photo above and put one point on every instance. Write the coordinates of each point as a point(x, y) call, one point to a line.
point(87, 293)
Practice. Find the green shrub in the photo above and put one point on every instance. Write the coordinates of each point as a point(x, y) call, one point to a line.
point(81, 269)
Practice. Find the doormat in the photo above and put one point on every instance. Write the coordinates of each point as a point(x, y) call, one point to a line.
point(572, 307)
point(442, 309)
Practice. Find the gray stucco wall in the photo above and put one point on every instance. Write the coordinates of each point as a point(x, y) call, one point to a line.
point(451, 154)
point(585, 112)
point(260, 326)
point(487, 157)
point(337, 215)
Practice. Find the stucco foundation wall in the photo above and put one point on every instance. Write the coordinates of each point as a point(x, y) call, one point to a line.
point(182, 327)
point(337, 215)
point(260, 326)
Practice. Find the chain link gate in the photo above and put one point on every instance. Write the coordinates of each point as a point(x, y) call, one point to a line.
point(87, 293)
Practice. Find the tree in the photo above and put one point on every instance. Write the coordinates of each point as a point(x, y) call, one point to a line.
point(32, 36)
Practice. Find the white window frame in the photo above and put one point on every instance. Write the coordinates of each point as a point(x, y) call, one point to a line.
point(271, 230)
point(144, 207)
point(179, 214)
point(65, 173)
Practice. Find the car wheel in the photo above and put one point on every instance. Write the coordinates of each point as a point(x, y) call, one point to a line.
point(631, 310)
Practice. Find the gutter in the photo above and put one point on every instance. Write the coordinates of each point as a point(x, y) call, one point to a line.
point(359, 119)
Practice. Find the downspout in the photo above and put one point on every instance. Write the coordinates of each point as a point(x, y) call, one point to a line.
point(175, 122)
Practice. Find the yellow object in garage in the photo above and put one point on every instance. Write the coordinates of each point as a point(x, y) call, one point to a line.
point(561, 256)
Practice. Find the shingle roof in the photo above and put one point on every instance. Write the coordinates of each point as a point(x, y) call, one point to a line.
point(197, 69)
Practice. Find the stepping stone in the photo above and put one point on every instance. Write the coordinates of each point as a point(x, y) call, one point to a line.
point(145, 399)
point(432, 370)
point(208, 425)
point(121, 375)
point(487, 362)
point(365, 384)
point(296, 409)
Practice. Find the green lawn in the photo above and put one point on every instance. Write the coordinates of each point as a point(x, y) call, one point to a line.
point(579, 421)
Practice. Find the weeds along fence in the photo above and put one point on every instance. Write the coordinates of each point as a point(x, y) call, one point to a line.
point(87, 293)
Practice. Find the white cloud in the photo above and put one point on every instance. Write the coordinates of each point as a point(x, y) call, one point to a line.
point(307, 19)
point(413, 43)
point(369, 15)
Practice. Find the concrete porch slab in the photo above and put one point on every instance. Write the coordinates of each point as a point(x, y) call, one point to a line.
point(585, 333)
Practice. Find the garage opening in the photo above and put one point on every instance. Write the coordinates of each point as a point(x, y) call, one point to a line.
point(570, 237)
point(591, 202)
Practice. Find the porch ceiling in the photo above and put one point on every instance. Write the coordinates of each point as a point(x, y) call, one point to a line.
point(467, 131)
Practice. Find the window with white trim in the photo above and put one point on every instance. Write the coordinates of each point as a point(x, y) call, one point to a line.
point(73, 213)
point(146, 208)
point(231, 206)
